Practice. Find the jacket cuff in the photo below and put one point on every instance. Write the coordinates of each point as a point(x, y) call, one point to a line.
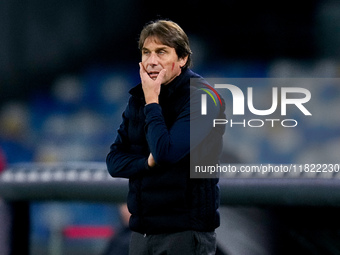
point(152, 107)
point(146, 165)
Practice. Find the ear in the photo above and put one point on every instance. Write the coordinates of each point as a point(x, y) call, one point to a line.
point(183, 61)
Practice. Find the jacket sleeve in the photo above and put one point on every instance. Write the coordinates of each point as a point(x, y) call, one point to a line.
point(120, 161)
point(168, 146)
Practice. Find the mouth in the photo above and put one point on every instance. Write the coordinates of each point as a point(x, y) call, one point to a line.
point(153, 74)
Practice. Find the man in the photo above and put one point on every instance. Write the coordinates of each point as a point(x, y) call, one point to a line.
point(171, 213)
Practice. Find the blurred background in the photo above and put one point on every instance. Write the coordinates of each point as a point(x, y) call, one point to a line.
point(66, 67)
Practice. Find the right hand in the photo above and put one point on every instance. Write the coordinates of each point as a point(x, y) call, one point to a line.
point(151, 161)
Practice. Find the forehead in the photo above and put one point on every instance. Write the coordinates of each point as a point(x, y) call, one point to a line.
point(153, 41)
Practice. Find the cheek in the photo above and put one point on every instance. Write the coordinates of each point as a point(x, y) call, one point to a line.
point(173, 66)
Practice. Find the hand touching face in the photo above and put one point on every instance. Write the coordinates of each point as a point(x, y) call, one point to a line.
point(151, 84)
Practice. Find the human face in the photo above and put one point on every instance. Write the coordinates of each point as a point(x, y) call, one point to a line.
point(157, 56)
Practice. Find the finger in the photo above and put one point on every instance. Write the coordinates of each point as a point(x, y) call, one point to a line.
point(143, 74)
point(141, 68)
point(161, 75)
point(151, 161)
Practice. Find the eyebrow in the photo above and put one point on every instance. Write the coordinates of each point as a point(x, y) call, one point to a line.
point(157, 49)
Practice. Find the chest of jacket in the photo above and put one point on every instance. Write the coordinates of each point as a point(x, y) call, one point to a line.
point(172, 106)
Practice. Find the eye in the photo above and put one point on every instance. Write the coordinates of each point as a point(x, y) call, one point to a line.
point(145, 52)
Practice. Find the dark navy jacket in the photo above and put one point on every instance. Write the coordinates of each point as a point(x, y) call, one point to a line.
point(165, 199)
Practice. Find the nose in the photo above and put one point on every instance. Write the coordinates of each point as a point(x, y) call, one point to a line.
point(152, 60)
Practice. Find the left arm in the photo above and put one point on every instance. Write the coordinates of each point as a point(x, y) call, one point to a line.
point(171, 145)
